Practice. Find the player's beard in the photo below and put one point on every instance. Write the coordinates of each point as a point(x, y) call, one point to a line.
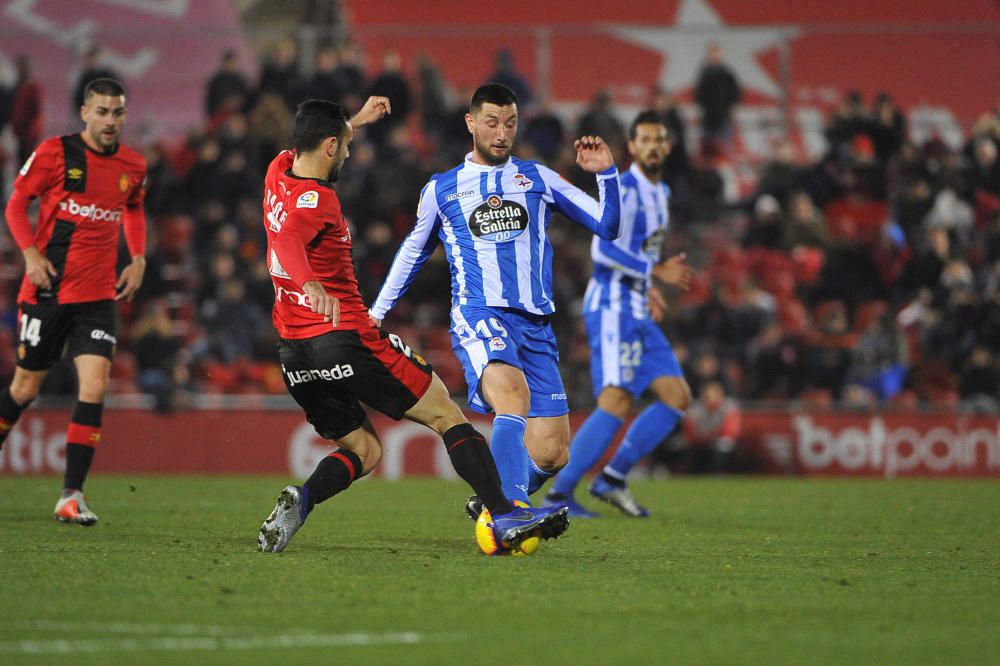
point(335, 170)
point(652, 168)
point(106, 143)
point(484, 150)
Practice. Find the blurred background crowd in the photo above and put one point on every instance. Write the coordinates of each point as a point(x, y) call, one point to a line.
point(867, 278)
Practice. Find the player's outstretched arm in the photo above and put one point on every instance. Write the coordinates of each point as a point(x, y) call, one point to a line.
point(601, 217)
point(374, 109)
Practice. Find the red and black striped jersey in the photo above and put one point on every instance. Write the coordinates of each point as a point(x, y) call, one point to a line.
point(85, 197)
point(308, 239)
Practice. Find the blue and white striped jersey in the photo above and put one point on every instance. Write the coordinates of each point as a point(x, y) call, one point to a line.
point(622, 267)
point(493, 222)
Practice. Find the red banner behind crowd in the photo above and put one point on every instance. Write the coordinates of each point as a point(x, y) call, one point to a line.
point(280, 442)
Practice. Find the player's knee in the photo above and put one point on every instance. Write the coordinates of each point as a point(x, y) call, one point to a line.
point(679, 397)
point(372, 457)
point(436, 409)
point(552, 459)
point(93, 392)
point(24, 389)
point(615, 401)
point(368, 449)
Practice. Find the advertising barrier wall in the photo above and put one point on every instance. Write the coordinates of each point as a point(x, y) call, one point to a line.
point(281, 442)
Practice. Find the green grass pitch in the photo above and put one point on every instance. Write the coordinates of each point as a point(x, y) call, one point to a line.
point(733, 571)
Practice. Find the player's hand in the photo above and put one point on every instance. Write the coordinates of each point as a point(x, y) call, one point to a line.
point(657, 304)
point(377, 323)
point(375, 108)
point(592, 154)
point(321, 302)
point(131, 279)
point(38, 268)
point(674, 271)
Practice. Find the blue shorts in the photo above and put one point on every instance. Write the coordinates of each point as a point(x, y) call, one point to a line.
point(480, 335)
point(628, 353)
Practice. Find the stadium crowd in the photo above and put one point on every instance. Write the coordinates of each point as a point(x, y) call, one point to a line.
point(869, 277)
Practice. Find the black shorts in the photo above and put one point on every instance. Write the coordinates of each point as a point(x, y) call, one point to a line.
point(330, 376)
point(45, 329)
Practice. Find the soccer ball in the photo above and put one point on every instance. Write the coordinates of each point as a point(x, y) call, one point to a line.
point(490, 545)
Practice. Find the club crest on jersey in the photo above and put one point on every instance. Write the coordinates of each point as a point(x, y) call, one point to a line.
point(522, 182)
point(308, 199)
point(497, 344)
point(498, 220)
point(123, 183)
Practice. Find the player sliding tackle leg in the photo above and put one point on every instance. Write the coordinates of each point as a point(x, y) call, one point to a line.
point(334, 358)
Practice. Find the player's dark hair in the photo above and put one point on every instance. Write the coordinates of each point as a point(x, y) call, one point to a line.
point(647, 117)
point(491, 93)
point(103, 86)
point(316, 120)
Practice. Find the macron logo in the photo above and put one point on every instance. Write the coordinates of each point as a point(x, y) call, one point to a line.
point(90, 211)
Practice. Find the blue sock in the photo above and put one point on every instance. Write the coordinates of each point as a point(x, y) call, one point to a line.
point(510, 454)
point(591, 441)
point(645, 434)
point(536, 476)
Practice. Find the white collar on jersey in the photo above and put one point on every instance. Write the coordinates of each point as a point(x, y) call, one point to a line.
point(484, 167)
point(638, 173)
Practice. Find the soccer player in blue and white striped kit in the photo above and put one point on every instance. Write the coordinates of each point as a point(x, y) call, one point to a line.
point(629, 352)
point(492, 213)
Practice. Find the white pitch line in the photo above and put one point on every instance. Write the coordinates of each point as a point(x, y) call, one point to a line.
point(172, 644)
point(136, 628)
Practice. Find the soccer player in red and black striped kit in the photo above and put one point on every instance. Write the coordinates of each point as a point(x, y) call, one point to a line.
point(334, 358)
point(90, 185)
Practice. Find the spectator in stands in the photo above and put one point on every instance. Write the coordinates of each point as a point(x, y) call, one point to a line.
point(986, 167)
point(324, 83)
point(434, 103)
point(712, 429)
point(979, 381)
point(924, 271)
point(544, 131)
point(26, 110)
point(850, 119)
point(351, 75)
point(505, 72)
point(717, 92)
point(92, 67)
point(888, 130)
point(804, 224)
point(774, 364)
point(599, 119)
point(766, 225)
point(390, 83)
point(951, 213)
point(880, 359)
point(234, 327)
point(828, 349)
point(280, 74)
point(155, 348)
point(707, 368)
point(227, 91)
